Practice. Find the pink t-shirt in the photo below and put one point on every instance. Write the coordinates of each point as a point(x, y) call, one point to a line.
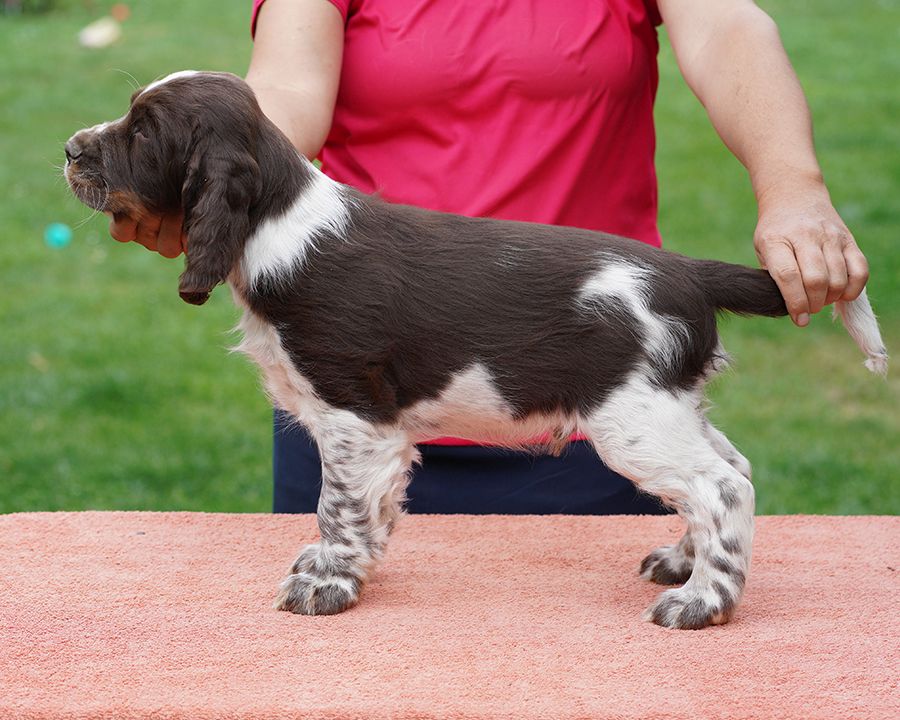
point(537, 111)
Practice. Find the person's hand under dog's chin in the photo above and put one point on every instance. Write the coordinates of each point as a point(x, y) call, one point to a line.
point(163, 234)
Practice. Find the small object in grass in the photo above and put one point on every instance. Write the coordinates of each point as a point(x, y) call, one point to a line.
point(57, 235)
point(100, 33)
point(120, 12)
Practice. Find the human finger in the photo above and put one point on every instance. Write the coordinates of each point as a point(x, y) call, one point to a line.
point(169, 239)
point(837, 271)
point(813, 272)
point(778, 258)
point(122, 228)
point(857, 271)
point(148, 231)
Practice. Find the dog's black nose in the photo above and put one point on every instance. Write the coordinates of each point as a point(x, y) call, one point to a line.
point(73, 150)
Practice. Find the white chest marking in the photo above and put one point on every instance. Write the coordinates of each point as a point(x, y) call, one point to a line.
point(281, 243)
point(286, 387)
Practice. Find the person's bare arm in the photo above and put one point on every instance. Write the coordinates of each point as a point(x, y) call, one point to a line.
point(296, 66)
point(731, 56)
point(294, 71)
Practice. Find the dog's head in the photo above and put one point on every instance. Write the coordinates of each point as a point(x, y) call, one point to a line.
point(190, 142)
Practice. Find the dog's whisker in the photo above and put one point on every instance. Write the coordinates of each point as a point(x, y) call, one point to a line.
point(81, 223)
point(132, 80)
point(97, 206)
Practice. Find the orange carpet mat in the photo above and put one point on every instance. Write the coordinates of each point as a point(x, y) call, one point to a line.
point(168, 615)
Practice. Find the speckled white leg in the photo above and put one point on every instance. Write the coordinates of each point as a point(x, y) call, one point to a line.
point(657, 439)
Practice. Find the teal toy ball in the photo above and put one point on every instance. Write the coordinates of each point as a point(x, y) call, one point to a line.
point(57, 235)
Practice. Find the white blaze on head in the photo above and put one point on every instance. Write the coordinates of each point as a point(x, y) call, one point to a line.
point(101, 127)
point(169, 78)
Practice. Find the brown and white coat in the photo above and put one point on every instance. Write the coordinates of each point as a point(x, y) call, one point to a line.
point(377, 326)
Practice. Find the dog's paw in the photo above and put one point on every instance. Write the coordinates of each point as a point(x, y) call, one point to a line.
point(667, 566)
point(688, 609)
point(309, 595)
point(306, 560)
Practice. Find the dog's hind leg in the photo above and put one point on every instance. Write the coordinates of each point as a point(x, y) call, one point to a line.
point(656, 438)
point(672, 564)
point(726, 450)
point(364, 476)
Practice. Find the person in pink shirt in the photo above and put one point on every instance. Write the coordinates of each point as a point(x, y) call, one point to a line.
point(540, 112)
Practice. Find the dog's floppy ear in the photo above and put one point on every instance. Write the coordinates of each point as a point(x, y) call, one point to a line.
point(221, 183)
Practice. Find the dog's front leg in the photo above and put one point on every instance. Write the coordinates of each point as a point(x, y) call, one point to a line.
point(364, 475)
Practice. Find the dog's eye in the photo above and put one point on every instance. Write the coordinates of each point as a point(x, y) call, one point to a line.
point(135, 133)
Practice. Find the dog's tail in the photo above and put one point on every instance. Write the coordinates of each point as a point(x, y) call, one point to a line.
point(860, 322)
point(741, 290)
point(750, 291)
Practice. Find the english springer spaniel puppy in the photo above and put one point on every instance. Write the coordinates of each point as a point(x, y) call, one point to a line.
point(378, 326)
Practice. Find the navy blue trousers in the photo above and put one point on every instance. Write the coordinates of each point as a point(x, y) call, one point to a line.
point(474, 480)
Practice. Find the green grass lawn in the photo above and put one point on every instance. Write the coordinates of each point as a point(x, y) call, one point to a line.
point(115, 394)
